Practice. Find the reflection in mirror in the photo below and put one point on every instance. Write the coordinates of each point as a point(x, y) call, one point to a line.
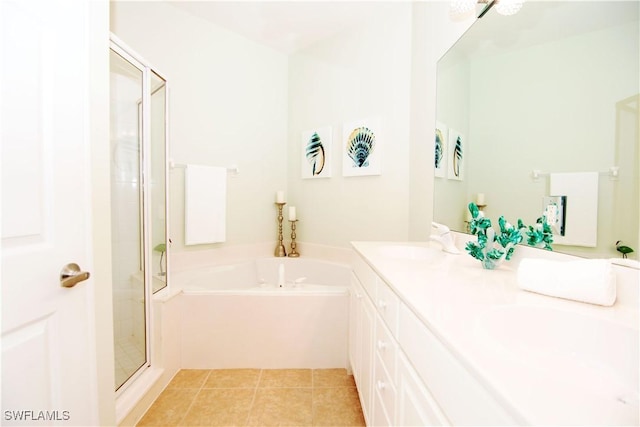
point(555, 90)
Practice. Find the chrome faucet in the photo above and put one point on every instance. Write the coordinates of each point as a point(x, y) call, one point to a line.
point(444, 237)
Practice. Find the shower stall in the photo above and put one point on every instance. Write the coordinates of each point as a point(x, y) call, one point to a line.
point(138, 143)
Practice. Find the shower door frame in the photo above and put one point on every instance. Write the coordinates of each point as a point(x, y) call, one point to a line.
point(129, 55)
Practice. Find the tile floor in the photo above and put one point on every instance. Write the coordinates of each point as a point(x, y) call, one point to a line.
point(257, 397)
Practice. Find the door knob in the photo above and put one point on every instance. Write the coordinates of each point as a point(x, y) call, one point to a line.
point(71, 275)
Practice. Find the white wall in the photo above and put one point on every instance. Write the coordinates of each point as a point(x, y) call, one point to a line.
point(361, 73)
point(232, 101)
point(101, 273)
point(228, 105)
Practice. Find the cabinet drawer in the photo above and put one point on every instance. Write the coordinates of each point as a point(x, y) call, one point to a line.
point(462, 397)
point(385, 391)
point(387, 303)
point(380, 416)
point(386, 348)
point(366, 275)
point(415, 406)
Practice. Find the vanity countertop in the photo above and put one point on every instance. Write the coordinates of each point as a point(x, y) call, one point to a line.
point(548, 360)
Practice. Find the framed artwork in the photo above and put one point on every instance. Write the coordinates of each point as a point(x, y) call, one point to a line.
point(440, 150)
point(362, 145)
point(316, 153)
point(457, 147)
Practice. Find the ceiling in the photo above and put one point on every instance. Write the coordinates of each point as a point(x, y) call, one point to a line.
point(286, 26)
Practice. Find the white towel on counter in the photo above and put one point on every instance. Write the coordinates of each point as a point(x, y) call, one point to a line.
point(205, 204)
point(588, 280)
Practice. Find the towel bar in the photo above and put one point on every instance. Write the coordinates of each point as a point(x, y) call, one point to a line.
point(613, 173)
point(233, 169)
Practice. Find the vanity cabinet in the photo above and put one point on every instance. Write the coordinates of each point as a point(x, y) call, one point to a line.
point(391, 392)
point(361, 330)
point(384, 383)
point(405, 375)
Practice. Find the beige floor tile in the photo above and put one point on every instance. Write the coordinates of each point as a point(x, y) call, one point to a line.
point(332, 378)
point(233, 378)
point(220, 407)
point(285, 378)
point(189, 378)
point(284, 398)
point(169, 408)
point(337, 406)
point(281, 407)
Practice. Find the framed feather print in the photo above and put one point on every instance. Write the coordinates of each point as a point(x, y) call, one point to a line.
point(440, 150)
point(457, 152)
point(361, 147)
point(316, 153)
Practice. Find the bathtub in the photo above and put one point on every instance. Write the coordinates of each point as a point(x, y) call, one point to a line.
point(260, 276)
point(236, 316)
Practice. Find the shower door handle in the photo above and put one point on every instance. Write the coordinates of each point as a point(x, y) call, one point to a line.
point(71, 275)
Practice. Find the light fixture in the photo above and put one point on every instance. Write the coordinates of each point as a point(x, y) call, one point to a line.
point(503, 7)
point(460, 7)
point(508, 7)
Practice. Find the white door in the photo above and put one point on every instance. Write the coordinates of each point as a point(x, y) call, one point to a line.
point(48, 336)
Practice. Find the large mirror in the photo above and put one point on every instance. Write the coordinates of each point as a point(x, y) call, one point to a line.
point(545, 103)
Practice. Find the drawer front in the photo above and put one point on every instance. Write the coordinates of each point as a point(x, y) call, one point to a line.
point(386, 348)
point(380, 416)
point(385, 391)
point(366, 275)
point(388, 304)
point(415, 405)
point(464, 400)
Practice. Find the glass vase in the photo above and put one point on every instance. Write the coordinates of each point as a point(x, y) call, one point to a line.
point(491, 264)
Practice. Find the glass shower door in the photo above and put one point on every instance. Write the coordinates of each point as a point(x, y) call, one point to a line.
point(158, 173)
point(128, 271)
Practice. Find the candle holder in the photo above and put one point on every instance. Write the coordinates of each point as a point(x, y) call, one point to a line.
point(481, 207)
point(294, 253)
point(280, 251)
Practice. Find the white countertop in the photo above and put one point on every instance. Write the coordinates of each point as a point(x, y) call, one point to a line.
point(550, 360)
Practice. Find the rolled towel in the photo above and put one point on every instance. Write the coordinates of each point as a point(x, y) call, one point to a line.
point(588, 280)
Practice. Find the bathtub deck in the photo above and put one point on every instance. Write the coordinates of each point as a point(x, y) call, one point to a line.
point(257, 397)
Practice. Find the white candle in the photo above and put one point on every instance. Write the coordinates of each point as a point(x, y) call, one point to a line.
point(469, 217)
point(480, 199)
point(292, 213)
point(280, 196)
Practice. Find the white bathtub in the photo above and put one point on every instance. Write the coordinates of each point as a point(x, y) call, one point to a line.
point(234, 316)
point(260, 276)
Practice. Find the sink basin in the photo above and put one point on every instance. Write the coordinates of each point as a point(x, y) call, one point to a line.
point(410, 252)
point(594, 356)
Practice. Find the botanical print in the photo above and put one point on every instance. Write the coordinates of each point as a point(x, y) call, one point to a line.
point(361, 154)
point(456, 155)
point(440, 150)
point(316, 153)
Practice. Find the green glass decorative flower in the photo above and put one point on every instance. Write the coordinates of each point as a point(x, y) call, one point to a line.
point(493, 248)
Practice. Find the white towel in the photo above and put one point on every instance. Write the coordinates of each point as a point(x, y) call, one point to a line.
point(205, 204)
point(588, 280)
point(581, 218)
